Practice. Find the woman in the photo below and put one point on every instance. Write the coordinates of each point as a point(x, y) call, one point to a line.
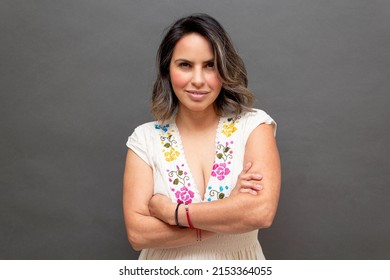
point(187, 192)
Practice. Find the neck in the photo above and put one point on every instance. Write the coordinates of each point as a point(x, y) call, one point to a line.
point(196, 121)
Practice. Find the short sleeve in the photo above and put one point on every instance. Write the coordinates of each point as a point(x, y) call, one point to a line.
point(138, 142)
point(256, 118)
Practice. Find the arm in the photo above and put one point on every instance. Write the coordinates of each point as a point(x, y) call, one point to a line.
point(143, 230)
point(241, 212)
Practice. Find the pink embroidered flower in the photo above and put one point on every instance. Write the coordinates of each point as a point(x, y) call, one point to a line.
point(184, 195)
point(220, 171)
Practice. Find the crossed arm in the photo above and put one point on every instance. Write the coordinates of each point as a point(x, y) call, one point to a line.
point(150, 219)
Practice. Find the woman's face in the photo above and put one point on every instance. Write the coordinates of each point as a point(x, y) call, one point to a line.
point(193, 76)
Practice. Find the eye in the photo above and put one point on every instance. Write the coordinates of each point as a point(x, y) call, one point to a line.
point(210, 65)
point(184, 65)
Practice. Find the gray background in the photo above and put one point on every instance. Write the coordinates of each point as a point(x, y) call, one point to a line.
point(76, 79)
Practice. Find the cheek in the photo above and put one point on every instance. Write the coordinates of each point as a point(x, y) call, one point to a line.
point(214, 82)
point(179, 79)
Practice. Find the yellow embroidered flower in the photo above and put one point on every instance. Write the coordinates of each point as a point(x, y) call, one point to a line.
point(229, 129)
point(171, 155)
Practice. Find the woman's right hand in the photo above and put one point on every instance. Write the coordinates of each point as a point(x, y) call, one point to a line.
point(248, 182)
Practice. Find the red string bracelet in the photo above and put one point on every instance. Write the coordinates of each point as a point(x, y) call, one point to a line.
point(188, 217)
point(198, 235)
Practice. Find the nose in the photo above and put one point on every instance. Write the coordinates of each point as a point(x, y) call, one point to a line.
point(198, 78)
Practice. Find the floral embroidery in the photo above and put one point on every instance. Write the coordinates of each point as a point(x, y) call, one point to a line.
point(224, 155)
point(230, 127)
point(224, 152)
point(163, 127)
point(179, 178)
point(168, 142)
point(171, 155)
point(184, 195)
point(219, 194)
point(220, 170)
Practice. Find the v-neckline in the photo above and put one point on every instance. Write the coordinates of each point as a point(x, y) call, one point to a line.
point(185, 161)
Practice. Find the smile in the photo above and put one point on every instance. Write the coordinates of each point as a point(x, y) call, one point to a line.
point(197, 92)
point(197, 95)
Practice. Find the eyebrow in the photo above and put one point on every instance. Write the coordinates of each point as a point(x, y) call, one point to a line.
point(188, 61)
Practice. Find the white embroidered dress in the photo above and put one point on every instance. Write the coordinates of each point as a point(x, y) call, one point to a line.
point(161, 148)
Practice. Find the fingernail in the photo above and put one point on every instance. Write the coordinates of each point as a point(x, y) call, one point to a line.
point(258, 176)
point(260, 187)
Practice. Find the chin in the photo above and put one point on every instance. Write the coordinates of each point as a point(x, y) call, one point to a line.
point(200, 108)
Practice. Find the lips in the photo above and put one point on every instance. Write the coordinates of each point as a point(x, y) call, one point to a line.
point(197, 92)
point(197, 95)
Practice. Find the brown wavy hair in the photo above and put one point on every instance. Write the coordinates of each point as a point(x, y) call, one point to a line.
point(234, 97)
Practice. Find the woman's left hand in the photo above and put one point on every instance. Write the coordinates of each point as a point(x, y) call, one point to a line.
point(248, 182)
point(162, 207)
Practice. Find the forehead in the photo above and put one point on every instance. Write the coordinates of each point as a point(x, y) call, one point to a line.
point(193, 46)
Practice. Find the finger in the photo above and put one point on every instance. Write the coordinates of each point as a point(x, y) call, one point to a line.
point(252, 186)
point(250, 191)
point(251, 177)
point(247, 166)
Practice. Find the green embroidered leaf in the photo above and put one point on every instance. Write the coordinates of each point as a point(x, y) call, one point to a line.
point(176, 181)
point(167, 145)
point(180, 172)
point(219, 156)
point(221, 195)
point(226, 149)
